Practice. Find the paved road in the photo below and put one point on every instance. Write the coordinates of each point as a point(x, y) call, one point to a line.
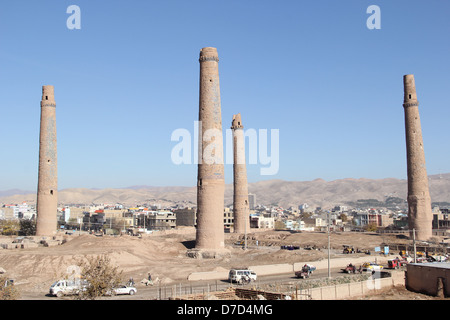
point(186, 287)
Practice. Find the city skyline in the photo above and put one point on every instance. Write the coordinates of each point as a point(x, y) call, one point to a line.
point(128, 78)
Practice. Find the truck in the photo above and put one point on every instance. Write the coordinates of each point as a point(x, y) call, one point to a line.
point(67, 287)
point(241, 275)
point(396, 263)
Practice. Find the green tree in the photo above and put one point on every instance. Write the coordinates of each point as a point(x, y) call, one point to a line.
point(27, 227)
point(371, 227)
point(9, 227)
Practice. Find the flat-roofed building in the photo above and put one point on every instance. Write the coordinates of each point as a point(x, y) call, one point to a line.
point(164, 220)
point(186, 217)
point(431, 278)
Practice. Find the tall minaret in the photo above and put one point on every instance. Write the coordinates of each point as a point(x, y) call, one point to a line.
point(240, 187)
point(47, 194)
point(210, 179)
point(419, 202)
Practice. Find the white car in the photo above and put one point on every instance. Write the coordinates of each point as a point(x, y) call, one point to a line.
point(124, 290)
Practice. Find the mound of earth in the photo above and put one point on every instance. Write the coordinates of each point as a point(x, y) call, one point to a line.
point(164, 255)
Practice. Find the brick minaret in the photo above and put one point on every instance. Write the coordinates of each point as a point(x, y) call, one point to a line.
point(210, 179)
point(419, 202)
point(47, 194)
point(240, 187)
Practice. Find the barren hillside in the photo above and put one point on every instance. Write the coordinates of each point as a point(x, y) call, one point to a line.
point(278, 192)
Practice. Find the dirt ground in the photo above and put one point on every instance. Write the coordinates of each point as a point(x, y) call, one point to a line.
point(397, 293)
point(164, 255)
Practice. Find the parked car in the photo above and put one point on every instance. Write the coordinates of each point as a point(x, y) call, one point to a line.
point(67, 287)
point(241, 275)
point(370, 266)
point(125, 290)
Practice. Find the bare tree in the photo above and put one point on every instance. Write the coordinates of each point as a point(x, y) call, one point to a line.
point(7, 290)
point(100, 275)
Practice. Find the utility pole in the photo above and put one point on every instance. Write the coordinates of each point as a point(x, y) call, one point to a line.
point(329, 271)
point(414, 245)
point(245, 234)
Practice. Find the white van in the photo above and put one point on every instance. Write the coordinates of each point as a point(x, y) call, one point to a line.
point(241, 275)
point(67, 287)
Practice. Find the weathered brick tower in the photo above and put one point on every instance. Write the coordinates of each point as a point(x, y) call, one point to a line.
point(240, 186)
point(47, 194)
point(210, 179)
point(419, 202)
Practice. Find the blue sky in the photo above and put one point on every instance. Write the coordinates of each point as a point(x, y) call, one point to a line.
point(129, 77)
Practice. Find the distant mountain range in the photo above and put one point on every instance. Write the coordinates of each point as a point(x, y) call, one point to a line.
point(318, 192)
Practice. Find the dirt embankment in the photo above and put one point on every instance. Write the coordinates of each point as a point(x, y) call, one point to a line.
point(164, 255)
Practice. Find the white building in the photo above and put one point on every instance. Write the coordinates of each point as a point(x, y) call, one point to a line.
point(22, 211)
point(261, 222)
point(66, 214)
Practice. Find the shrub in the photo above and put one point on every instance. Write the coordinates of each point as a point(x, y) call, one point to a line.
point(7, 290)
point(101, 275)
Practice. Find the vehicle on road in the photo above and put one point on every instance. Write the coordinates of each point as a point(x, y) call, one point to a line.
point(371, 266)
point(306, 271)
point(124, 290)
point(241, 275)
point(67, 287)
point(396, 263)
point(302, 274)
point(350, 268)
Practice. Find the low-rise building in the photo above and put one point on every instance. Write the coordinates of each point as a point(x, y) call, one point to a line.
point(372, 217)
point(228, 218)
point(186, 217)
point(161, 220)
point(441, 218)
point(431, 278)
point(262, 222)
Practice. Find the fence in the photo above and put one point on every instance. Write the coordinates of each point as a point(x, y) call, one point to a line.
point(320, 289)
point(353, 289)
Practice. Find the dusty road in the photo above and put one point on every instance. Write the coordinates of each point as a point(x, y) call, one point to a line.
point(164, 256)
point(158, 292)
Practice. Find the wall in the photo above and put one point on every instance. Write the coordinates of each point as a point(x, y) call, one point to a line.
point(424, 277)
point(352, 289)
